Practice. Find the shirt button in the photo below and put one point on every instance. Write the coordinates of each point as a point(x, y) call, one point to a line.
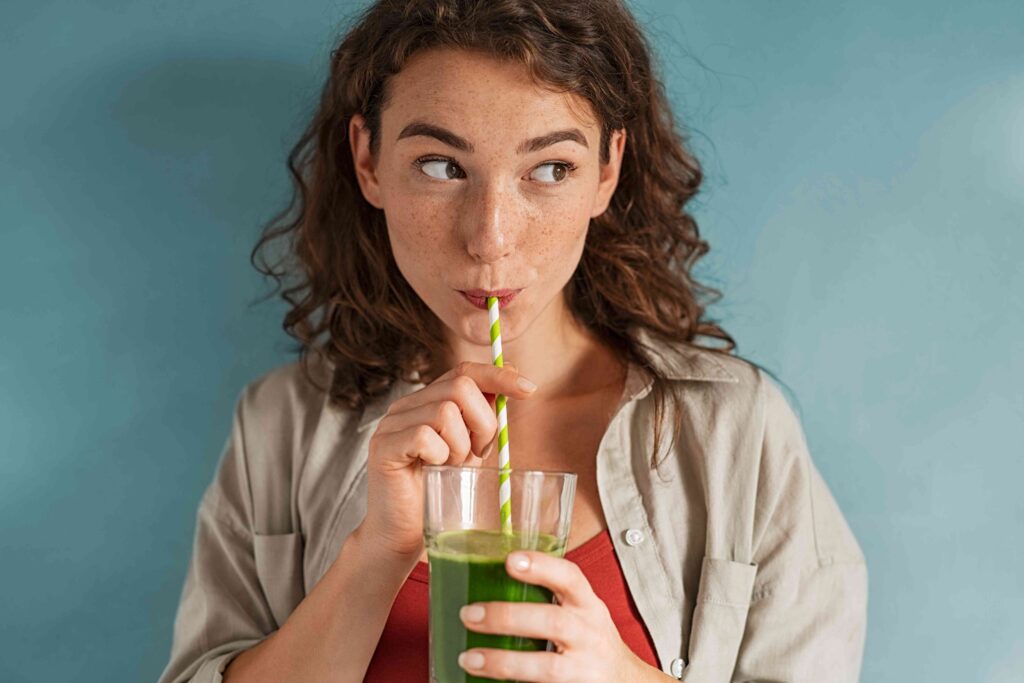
point(678, 665)
point(634, 536)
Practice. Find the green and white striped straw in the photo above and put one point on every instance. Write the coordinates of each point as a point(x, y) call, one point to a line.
point(504, 485)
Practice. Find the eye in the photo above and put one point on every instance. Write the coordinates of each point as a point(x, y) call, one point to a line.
point(443, 169)
point(560, 171)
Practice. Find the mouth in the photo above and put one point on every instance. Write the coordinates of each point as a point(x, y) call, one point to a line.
point(478, 297)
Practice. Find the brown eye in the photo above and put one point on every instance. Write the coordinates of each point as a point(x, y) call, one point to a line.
point(559, 172)
point(443, 169)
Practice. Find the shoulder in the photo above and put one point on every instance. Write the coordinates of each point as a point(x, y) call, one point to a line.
point(737, 392)
point(730, 412)
point(768, 461)
point(287, 386)
point(737, 397)
point(276, 421)
point(290, 395)
point(279, 412)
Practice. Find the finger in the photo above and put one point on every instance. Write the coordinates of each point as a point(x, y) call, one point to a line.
point(540, 667)
point(493, 379)
point(416, 442)
point(444, 417)
point(556, 623)
point(465, 385)
point(472, 461)
point(477, 415)
point(487, 378)
point(485, 381)
point(564, 578)
point(490, 395)
point(492, 446)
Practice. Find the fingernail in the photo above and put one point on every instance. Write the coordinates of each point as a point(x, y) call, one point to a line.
point(525, 384)
point(489, 451)
point(472, 613)
point(471, 660)
point(520, 561)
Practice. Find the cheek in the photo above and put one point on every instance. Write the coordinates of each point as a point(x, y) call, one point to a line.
point(415, 237)
point(560, 230)
point(415, 219)
point(418, 227)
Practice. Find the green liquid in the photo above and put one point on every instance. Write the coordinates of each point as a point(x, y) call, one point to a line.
point(468, 567)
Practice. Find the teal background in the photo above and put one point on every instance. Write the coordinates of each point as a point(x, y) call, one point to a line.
point(864, 203)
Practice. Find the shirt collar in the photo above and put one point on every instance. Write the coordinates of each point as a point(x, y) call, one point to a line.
point(678, 361)
point(683, 361)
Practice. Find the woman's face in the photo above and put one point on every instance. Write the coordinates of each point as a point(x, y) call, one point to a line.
point(476, 195)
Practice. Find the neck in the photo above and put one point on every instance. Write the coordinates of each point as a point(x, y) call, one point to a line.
point(556, 352)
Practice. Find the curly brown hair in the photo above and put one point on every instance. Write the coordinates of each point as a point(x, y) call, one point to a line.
point(349, 302)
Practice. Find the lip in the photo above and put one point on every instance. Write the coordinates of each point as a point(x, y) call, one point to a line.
point(478, 297)
point(484, 293)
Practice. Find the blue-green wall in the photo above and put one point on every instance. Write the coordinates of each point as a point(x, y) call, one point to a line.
point(865, 205)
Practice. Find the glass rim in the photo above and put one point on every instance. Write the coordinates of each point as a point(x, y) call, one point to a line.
point(511, 471)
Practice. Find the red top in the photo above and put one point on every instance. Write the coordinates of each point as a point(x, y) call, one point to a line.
point(402, 654)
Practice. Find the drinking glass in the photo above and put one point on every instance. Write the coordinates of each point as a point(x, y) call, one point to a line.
point(466, 550)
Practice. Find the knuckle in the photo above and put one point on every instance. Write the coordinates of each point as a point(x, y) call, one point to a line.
point(464, 386)
point(603, 608)
point(463, 368)
point(448, 411)
point(577, 578)
point(497, 616)
point(396, 406)
point(503, 667)
point(423, 438)
point(558, 668)
point(557, 621)
point(374, 443)
point(378, 441)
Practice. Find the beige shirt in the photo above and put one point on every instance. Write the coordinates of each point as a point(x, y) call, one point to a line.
point(735, 552)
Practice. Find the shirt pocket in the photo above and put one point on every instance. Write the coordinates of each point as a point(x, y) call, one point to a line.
point(719, 619)
point(279, 569)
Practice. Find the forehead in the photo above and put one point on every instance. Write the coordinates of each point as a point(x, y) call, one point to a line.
point(479, 96)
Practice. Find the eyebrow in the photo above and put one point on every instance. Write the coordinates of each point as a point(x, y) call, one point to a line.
point(422, 128)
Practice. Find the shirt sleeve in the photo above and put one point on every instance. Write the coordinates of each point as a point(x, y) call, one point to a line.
point(223, 609)
point(808, 609)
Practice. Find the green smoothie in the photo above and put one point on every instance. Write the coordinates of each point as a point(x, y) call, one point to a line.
point(467, 567)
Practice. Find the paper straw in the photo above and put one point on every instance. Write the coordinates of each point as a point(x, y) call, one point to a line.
point(504, 485)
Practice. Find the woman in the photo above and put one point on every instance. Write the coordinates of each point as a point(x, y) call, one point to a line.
point(470, 147)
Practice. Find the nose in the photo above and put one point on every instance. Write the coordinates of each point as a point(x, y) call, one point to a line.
point(488, 216)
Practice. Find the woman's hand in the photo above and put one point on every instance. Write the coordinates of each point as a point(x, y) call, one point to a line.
point(588, 644)
point(450, 421)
